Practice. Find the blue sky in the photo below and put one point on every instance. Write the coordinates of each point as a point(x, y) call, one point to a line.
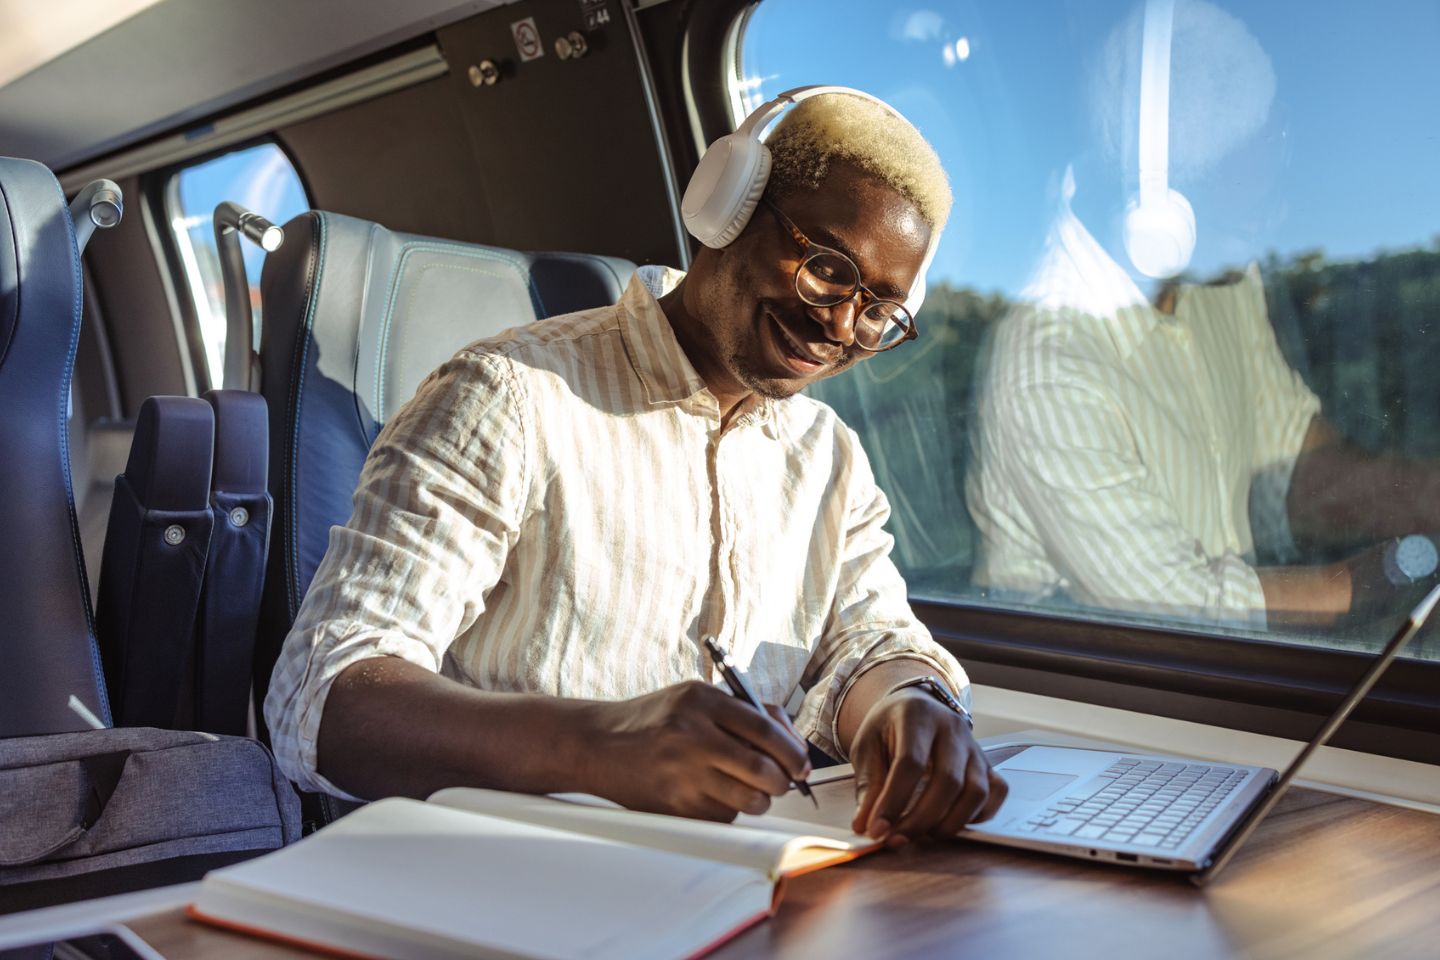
point(1343, 157)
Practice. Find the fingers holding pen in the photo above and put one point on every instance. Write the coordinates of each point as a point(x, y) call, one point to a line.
point(693, 750)
point(767, 733)
point(763, 725)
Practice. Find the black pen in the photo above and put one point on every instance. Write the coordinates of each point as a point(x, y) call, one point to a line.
point(735, 680)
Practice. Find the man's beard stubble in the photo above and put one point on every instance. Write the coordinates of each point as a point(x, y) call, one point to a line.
point(780, 389)
point(740, 351)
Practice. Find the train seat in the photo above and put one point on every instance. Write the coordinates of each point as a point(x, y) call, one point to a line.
point(48, 647)
point(355, 316)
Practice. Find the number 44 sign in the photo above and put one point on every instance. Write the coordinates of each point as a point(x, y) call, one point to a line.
point(596, 15)
point(527, 39)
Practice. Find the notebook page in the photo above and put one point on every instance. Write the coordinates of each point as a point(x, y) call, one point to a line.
point(759, 842)
point(444, 878)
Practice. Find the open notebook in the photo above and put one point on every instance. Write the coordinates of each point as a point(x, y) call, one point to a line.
point(483, 873)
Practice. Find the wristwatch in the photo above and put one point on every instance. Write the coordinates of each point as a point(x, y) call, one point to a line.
point(1408, 560)
point(937, 689)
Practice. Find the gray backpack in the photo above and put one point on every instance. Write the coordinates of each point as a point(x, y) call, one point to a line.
point(107, 811)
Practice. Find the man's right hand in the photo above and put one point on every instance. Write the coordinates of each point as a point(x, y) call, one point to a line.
point(692, 750)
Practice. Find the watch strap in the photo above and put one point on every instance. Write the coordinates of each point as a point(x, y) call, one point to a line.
point(936, 688)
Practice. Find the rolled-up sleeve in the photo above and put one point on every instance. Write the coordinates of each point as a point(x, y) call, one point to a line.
point(437, 509)
point(870, 619)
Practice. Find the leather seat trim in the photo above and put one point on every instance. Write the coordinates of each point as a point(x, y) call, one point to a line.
point(62, 418)
point(297, 380)
point(9, 324)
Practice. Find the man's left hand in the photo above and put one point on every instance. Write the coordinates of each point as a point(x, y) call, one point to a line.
point(919, 771)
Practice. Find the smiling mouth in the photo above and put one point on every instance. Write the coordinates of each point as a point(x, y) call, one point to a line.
point(800, 355)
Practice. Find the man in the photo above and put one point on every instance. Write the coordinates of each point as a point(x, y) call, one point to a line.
point(542, 537)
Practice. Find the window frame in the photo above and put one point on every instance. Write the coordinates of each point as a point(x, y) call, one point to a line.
point(159, 189)
point(1270, 687)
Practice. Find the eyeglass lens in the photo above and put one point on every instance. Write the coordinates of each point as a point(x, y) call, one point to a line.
point(825, 279)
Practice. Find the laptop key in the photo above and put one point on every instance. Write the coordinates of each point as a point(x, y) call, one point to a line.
point(1088, 791)
point(1148, 839)
point(1090, 832)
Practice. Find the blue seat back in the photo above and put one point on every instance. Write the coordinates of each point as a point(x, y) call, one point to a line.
point(355, 316)
point(47, 643)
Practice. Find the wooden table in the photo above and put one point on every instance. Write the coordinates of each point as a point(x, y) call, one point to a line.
point(1325, 876)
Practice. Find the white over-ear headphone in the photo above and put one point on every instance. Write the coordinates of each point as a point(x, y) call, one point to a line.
point(1159, 223)
point(726, 185)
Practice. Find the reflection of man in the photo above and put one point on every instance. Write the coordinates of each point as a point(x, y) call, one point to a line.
point(563, 512)
point(1122, 449)
point(1142, 453)
point(1140, 457)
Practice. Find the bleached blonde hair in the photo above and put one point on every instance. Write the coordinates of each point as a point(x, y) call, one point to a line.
point(838, 126)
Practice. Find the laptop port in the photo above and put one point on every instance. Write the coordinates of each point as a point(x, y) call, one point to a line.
point(1127, 858)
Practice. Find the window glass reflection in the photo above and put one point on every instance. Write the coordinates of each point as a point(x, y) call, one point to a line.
point(1092, 421)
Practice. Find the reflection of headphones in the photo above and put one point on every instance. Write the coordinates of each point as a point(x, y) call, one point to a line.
point(727, 184)
point(1159, 223)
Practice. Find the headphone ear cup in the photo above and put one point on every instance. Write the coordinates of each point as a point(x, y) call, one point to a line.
point(1160, 236)
point(744, 208)
point(724, 189)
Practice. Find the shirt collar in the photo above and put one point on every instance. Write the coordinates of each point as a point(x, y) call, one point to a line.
point(658, 360)
point(1076, 273)
point(654, 353)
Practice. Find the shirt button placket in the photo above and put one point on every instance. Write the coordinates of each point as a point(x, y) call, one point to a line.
point(723, 539)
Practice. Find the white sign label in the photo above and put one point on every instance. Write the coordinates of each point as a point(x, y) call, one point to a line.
point(527, 39)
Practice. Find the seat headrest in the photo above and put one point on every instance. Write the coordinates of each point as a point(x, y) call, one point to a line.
point(37, 246)
point(387, 308)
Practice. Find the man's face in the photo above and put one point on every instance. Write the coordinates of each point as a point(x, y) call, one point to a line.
point(758, 334)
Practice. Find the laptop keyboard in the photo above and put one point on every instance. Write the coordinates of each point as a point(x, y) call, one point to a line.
point(1142, 802)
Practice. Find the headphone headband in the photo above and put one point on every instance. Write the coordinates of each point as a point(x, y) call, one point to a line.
point(767, 111)
point(1155, 99)
point(1159, 222)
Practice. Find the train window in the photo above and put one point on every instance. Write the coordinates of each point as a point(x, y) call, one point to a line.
point(1099, 421)
point(260, 178)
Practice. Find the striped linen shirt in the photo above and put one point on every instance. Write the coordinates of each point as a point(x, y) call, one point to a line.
point(558, 511)
point(1132, 460)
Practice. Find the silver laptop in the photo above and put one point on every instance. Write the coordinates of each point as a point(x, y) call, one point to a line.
point(1169, 813)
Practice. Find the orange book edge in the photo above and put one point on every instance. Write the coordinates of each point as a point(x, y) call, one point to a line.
point(841, 856)
point(264, 934)
point(328, 950)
